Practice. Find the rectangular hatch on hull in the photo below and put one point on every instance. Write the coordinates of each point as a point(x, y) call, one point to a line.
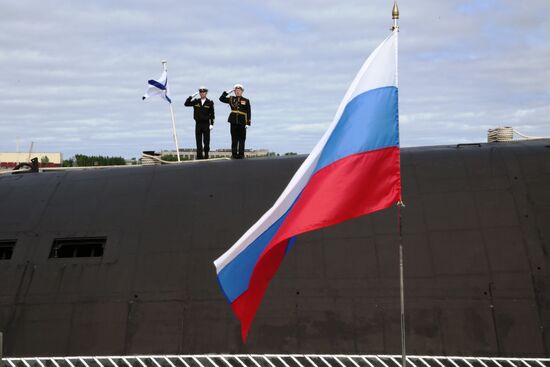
point(78, 247)
point(6, 249)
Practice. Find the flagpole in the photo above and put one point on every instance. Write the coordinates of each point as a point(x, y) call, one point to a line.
point(395, 28)
point(401, 285)
point(164, 62)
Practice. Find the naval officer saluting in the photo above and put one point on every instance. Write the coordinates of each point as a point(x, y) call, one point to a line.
point(203, 113)
point(239, 118)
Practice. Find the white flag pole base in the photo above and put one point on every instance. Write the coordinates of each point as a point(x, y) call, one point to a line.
point(174, 132)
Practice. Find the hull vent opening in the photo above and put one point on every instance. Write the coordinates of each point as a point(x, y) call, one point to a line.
point(78, 247)
point(6, 249)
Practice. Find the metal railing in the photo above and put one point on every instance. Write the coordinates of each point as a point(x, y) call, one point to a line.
point(273, 360)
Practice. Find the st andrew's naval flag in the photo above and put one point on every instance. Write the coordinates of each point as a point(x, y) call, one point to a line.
point(353, 170)
point(158, 88)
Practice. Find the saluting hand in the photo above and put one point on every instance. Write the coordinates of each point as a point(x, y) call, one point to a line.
point(194, 95)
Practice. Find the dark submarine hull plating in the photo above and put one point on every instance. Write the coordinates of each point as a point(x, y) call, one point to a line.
point(476, 236)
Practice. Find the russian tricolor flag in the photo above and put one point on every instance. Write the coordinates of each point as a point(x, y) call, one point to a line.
point(353, 170)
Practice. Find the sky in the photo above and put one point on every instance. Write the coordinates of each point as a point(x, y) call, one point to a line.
point(73, 72)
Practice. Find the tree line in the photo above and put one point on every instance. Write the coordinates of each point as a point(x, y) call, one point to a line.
point(82, 160)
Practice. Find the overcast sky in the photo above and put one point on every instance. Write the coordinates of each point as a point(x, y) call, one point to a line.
point(73, 72)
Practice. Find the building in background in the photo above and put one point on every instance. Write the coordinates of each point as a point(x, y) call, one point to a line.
point(9, 160)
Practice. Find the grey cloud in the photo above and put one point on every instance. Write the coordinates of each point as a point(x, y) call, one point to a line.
point(76, 70)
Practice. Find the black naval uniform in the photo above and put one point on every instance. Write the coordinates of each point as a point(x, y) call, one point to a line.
point(238, 118)
point(204, 117)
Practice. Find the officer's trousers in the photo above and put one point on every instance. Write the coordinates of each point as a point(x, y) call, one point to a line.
point(238, 136)
point(202, 133)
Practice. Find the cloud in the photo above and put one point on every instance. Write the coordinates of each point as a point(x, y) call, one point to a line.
point(74, 72)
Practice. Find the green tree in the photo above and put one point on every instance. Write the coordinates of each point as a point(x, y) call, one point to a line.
point(173, 158)
point(83, 160)
point(169, 157)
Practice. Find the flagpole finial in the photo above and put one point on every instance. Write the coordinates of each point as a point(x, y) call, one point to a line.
point(395, 11)
point(395, 16)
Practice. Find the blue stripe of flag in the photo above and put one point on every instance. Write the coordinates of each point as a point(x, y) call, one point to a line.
point(369, 122)
point(156, 84)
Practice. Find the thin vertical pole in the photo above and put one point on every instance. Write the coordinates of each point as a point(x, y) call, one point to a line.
point(395, 29)
point(401, 286)
point(174, 133)
point(17, 145)
point(30, 151)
